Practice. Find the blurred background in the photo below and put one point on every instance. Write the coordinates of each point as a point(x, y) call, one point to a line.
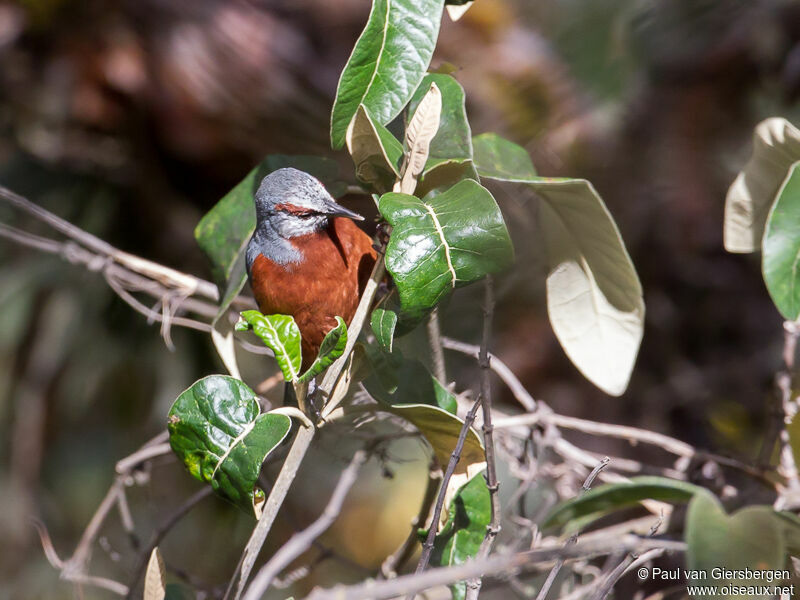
point(131, 118)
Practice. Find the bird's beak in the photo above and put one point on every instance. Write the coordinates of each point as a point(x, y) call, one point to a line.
point(335, 209)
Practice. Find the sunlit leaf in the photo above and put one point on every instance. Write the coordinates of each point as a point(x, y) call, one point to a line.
point(421, 129)
point(615, 496)
point(468, 515)
point(751, 539)
point(441, 428)
point(155, 577)
point(332, 347)
point(444, 241)
point(594, 298)
point(279, 333)
point(776, 146)
point(216, 428)
point(387, 63)
point(453, 139)
point(781, 247)
point(457, 10)
point(383, 322)
point(500, 159)
point(376, 153)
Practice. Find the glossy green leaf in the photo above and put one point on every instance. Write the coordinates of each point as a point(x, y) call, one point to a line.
point(332, 347)
point(500, 159)
point(225, 230)
point(776, 147)
point(453, 139)
point(444, 241)
point(781, 247)
point(376, 153)
point(594, 298)
point(383, 322)
point(615, 496)
point(751, 538)
point(468, 516)
point(216, 429)
point(279, 333)
point(387, 63)
point(395, 380)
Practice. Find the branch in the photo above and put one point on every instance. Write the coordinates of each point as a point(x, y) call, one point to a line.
point(162, 530)
point(496, 565)
point(276, 497)
point(300, 542)
point(573, 539)
point(474, 586)
point(789, 494)
point(400, 556)
point(435, 339)
point(427, 547)
point(165, 275)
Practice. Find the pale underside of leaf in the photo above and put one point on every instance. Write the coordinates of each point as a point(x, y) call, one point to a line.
point(776, 146)
point(594, 297)
point(456, 11)
point(155, 579)
point(419, 133)
point(364, 144)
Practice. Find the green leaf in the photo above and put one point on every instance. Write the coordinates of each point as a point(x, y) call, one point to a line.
point(497, 158)
point(751, 538)
point(615, 496)
point(453, 139)
point(776, 147)
point(395, 380)
point(405, 388)
point(376, 152)
point(448, 240)
point(781, 247)
point(383, 322)
point(790, 524)
point(225, 230)
point(279, 333)
point(387, 63)
point(216, 429)
point(594, 298)
point(332, 347)
point(441, 429)
point(469, 513)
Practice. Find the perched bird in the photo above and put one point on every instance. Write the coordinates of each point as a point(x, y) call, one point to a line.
point(307, 258)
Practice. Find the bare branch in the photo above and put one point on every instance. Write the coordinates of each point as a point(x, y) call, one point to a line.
point(300, 542)
point(474, 586)
point(495, 565)
point(435, 339)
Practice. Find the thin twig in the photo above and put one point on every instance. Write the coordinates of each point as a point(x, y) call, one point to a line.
point(427, 547)
point(551, 577)
point(494, 565)
point(163, 528)
point(276, 497)
point(300, 542)
point(165, 275)
point(789, 495)
point(474, 585)
point(437, 352)
point(503, 372)
point(400, 556)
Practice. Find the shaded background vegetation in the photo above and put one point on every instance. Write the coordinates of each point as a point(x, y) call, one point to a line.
point(131, 118)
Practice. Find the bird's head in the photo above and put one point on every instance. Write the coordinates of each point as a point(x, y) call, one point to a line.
point(294, 203)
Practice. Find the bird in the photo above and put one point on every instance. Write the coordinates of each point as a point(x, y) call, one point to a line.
point(306, 258)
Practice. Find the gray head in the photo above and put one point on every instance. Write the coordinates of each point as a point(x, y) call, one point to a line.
point(293, 203)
